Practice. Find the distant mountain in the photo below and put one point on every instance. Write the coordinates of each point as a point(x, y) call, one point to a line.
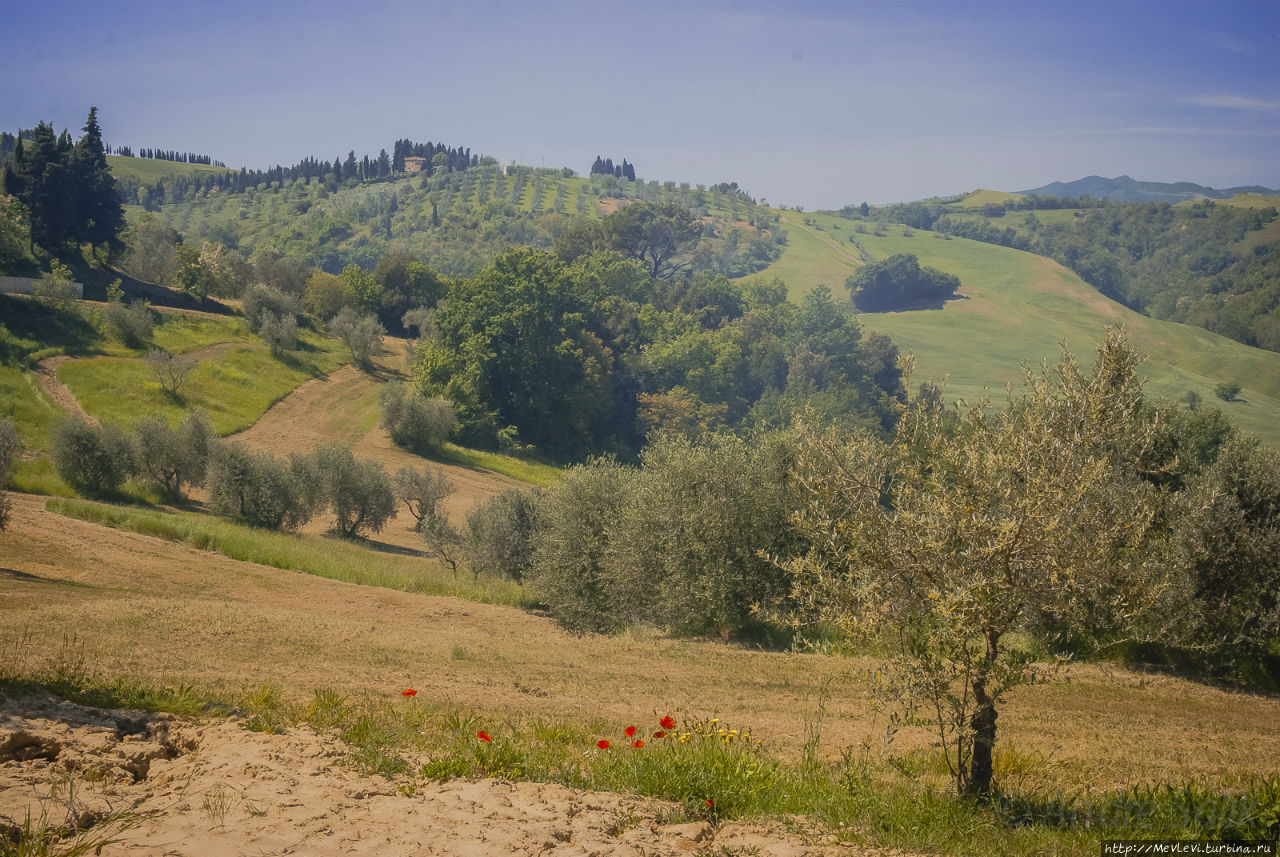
point(1126, 189)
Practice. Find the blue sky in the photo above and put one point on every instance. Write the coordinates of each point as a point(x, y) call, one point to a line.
point(817, 104)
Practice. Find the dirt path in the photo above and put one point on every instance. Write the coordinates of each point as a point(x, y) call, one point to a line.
point(205, 789)
point(46, 373)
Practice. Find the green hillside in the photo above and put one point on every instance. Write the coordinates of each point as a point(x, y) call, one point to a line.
point(1017, 307)
point(457, 220)
point(154, 169)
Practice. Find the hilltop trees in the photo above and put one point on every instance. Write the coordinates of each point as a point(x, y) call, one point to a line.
point(67, 188)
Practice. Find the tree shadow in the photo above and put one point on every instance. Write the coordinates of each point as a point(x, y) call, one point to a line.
point(27, 577)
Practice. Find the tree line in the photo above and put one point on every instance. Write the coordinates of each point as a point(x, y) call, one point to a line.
point(606, 167)
point(166, 155)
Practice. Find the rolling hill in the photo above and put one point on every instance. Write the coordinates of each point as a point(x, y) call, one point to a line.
point(1017, 307)
point(1126, 189)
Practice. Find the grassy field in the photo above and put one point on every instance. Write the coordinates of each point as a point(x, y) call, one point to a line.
point(1018, 307)
point(152, 170)
point(236, 387)
point(287, 649)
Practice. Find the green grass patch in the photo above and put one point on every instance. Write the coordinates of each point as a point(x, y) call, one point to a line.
point(236, 389)
point(521, 469)
point(151, 170)
point(348, 561)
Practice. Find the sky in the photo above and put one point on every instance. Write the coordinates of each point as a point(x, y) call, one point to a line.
point(815, 104)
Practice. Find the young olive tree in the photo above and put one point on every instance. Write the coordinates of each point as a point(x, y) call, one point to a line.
point(362, 334)
point(974, 526)
point(500, 534)
point(414, 421)
point(170, 370)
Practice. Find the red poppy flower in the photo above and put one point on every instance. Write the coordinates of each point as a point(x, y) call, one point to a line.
point(484, 736)
point(602, 744)
point(668, 722)
point(629, 731)
point(711, 804)
point(638, 743)
point(408, 692)
point(659, 734)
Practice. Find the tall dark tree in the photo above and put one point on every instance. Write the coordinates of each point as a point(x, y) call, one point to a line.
point(98, 217)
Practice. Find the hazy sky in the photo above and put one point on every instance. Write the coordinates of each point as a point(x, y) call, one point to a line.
point(817, 104)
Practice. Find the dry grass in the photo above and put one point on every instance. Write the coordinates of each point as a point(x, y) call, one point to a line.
point(163, 614)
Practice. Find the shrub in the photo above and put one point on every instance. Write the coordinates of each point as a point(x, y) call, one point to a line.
point(1227, 392)
point(362, 334)
point(414, 421)
point(55, 289)
point(255, 487)
point(500, 534)
point(131, 323)
point(172, 457)
point(93, 460)
point(358, 492)
point(326, 295)
point(10, 446)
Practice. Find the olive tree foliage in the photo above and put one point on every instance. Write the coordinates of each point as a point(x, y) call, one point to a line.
point(358, 492)
point(362, 334)
point(173, 457)
point(92, 459)
point(570, 565)
point(416, 422)
point(500, 534)
point(977, 525)
point(10, 447)
point(422, 492)
point(257, 488)
point(679, 542)
point(1229, 537)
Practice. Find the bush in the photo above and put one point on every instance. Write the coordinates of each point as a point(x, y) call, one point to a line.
point(131, 323)
point(414, 421)
point(171, 457)
point(362, 334)
point(94, 460)
point(10, 446)
point(500, 534)
point(358, 492)
point(257, 488)
point(55, 289)
point(1227, 392)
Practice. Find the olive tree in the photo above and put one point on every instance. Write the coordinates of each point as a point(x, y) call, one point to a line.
point(92, 459)
point(976, 526)
point(173, 457)
point(10, 446)
point(357, 490)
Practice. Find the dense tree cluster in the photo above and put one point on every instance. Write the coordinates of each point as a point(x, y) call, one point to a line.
point(68, 191)
point(596, 353)
point(606, 167)
point(898, 283)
